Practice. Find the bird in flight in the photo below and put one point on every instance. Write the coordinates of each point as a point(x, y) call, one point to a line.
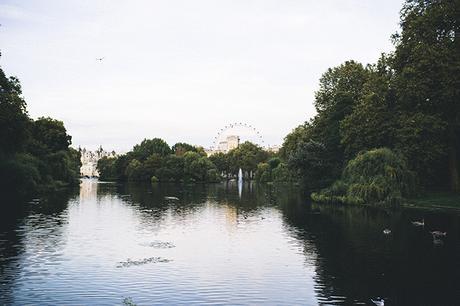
point(99, 59)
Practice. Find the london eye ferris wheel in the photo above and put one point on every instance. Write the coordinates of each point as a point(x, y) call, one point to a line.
point(235, 133)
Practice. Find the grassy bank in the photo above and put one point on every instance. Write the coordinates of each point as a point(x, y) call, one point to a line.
point(435, 200)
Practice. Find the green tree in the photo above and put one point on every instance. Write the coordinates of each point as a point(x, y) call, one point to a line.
point(340, 90)
point(14, 120)
point(263, 173)
point(427, 64)
point(246, 156)
point(49, 136)
point(318, 143)
point(297, 135)
point(175, 163)
point(282, 174)
point(311, 164)
point(150, 146)
point(152, 164)
point(373, 120)
point(221, 161)
point(181, 147)
point(134, 170)
point(34, 155)
point(106, 168)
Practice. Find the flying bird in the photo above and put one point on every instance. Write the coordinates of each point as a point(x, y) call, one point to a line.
point(99, 59)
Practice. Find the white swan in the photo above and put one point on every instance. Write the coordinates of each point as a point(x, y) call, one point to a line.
point(437, 234)
point(380, 302)
point(419, 223)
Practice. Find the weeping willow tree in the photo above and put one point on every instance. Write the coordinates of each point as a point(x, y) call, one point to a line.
point(378, 176)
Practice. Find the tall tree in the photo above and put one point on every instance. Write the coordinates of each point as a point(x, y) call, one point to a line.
point(150, 146)
point(427, 63)
point(14, 120)
point(340, 90)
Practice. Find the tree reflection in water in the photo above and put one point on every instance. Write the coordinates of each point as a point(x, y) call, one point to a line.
point(215, 233)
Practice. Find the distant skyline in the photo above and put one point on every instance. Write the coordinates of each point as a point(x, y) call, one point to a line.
point(181, 70)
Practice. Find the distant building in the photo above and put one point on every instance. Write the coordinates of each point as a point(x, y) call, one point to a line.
point(89, 161)
point(230, 143)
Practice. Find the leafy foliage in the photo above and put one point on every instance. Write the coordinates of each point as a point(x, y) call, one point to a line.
point(151, 146)
point(34, 155)
point(407, 102)
point(154, 161)
point(310, 161)
point(374, 177)
point(247, 156)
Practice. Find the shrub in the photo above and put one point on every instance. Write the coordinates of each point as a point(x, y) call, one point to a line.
point(373, 177)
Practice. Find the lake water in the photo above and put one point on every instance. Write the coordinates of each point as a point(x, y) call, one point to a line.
point(109, 244)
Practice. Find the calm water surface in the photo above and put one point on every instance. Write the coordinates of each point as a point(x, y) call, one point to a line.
point(220, 245)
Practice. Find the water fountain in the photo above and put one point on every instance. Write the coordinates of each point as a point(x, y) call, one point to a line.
point(240, 182)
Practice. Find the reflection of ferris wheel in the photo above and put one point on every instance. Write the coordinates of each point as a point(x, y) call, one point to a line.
point(244, 132)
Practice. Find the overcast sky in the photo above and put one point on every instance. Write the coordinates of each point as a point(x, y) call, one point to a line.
point(181, 70)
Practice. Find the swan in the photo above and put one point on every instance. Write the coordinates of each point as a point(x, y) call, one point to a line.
point(437, 234)
point(419, 223)
point(380, 302)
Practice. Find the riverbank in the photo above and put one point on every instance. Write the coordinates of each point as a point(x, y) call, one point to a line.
point(436, 200)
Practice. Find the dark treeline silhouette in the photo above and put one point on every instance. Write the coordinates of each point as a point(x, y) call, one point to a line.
point(35, 155)
point(407, 102)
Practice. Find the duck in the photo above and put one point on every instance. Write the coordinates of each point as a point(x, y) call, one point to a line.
point(437, 234)
point(380, 302)
point(387, 231)
point(419, 223)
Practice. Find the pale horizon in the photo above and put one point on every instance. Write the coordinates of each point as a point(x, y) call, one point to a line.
point(167, 73)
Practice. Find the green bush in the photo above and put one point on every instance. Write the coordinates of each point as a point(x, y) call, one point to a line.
point(378, 176)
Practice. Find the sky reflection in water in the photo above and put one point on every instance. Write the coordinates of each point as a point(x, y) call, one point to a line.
point(213, 246)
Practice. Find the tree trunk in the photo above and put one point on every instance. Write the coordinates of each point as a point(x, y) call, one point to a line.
point(453, 162)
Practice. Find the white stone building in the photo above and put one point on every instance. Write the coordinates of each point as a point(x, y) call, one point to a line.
point(230, 143)
point(89, 161)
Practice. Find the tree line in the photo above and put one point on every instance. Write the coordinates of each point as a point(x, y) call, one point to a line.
point(154, 160)
point(35, 155)
point(387, 126)
point(381, 131)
